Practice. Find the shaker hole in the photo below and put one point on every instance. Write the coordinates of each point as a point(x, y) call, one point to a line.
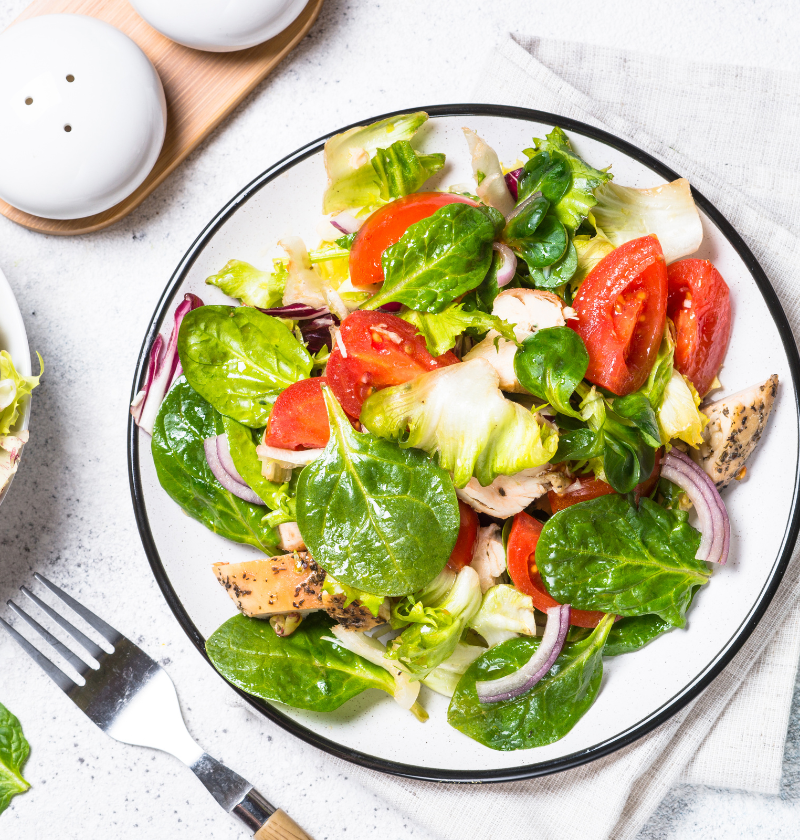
point(29, 101)
point(67, 127)
point(70, 78)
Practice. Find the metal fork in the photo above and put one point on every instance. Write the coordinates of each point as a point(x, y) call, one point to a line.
point(132, 699)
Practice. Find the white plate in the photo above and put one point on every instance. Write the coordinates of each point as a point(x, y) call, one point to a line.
point(14, 339)
point(639, 690)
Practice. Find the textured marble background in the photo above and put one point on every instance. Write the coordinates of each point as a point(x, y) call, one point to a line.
point(87, 301)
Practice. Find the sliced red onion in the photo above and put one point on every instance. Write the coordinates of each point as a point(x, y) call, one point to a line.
point(295, 311)
point(512, 182)
point(226, 459)
point(715, 527)
point(317, 333)
point(162, 370)
point(346, 223)
point(526, 677)
point(224, 477)
point(522, 205)
point(392, 306)
point(506, 272)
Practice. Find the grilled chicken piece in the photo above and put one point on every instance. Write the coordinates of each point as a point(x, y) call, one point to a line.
point(528, 310)
point(509, 494)
point(291, 583)
point(489, 556)
point(290, 538)
point(735, 426)
point(272, 585)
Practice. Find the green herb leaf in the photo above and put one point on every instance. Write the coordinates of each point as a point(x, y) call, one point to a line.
point(544, 714)
point(636, 408)
point(437, 259)
point(606, 555)
point(402, 171)
point(544, 246)
point(240, 360)
point(375, 516)
point(547, 173)
point(303, 670)
point(184, 421)
point(550, 364)
point(441, 329)
point(556, 275)
point(525, 224)
point(250, 285)
point(14, 751)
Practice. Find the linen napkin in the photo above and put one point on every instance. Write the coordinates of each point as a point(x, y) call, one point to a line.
point(729, 130)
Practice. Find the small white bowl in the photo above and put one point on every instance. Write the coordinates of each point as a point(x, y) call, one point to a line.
point(14, 339)
point(83, 116)
point(219, 25)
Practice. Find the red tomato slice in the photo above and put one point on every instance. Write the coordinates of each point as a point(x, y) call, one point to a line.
point(622, 310)
point(521, 554)
point(382, 350)
point(584, 489)
point(700, 307)
point(385, 226)
point(299, 419)
point(467, 535)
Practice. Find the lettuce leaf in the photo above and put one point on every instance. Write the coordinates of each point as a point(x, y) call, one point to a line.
point(437, 412)
point(441, 329)
point(14, 751)
point(250, 285)
point(14, 388)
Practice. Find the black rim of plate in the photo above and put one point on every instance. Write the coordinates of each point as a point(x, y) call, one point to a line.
point(604, 748)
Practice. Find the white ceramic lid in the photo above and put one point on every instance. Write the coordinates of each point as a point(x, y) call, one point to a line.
point(219, 25)
point(83, 115)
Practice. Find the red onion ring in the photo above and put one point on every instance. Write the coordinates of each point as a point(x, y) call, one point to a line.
point(525, 678)
point(512, 182)
point(715, 526)
point(520, 207)
point(295, 311)
point(345, 223)
point(224, 477)
point(508, 268)
point(226, 459)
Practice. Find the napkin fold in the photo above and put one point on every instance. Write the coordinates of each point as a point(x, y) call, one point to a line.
point(730, 131)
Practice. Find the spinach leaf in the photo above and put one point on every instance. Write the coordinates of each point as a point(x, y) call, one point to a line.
point(14, 750)
point(578, 445)
point(542, 247)
point(556, 275)
point(606, 555)
point(630, 634)
point(402, 171)
point(483, 296)
point(550, 364)
point(437, 259)
point(243, 441)
point(303, 670)
point(239, 360)
point(184, 421)
point(373, 515)
point(544, 714)
point(637, 408)
point(547, 173)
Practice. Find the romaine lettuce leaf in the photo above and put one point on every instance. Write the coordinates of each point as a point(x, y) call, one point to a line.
point(505, 613)
point(13, 390)
point(459, 414)
point(250, 285)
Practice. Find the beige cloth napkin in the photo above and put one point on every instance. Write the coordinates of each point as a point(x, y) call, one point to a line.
point(731, 131)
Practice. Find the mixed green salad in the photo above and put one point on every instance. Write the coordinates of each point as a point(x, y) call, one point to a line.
point(14, 390)
point(465, 432)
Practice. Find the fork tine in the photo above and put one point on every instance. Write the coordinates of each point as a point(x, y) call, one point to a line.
point(64, 682)
point(111, 635)
point(94, 650)
point(77, 663)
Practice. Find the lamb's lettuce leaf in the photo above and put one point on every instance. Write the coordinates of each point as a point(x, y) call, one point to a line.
point(250, 285)
point(375, 516)
point(605, 554)
point(240, 360)
point(438, 413)
point(14, 751)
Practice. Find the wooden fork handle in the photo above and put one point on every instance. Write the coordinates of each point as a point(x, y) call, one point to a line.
point(280, 826)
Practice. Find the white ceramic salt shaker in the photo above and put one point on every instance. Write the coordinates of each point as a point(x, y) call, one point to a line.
point(219, 25)
point(83, 116)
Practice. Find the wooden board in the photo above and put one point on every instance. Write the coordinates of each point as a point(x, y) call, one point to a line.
point(201, 88)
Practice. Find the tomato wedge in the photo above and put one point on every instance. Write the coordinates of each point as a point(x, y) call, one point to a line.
point(385, 227)
point(382, 350)
point(622, 311)
point(700, 306)
point(467, 535)
point(299, 419)
point(521, 554)
point(584, 489)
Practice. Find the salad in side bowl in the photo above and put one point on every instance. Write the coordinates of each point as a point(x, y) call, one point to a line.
point(463, 441)
point(16, 385)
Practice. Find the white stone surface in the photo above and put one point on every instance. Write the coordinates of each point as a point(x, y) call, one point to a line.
point(87, 301)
